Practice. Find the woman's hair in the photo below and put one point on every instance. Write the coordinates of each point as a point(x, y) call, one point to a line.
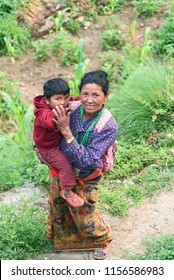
point(55, 86)
point(98, 77)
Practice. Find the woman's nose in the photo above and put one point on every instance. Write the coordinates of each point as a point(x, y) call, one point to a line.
point(90, 99)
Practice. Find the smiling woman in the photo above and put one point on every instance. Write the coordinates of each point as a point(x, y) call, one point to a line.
point(83, 227)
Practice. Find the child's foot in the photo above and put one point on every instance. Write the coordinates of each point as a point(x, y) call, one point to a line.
point(72, 198)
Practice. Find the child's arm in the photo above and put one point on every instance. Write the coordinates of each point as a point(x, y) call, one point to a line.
point(45, 119)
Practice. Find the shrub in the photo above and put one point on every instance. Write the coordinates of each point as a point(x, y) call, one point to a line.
point(161, 248)
point(22, 232)
point(147, 8)
point(146, 100)
point(14, 39)
point(164, 42)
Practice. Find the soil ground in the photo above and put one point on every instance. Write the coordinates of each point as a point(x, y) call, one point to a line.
point(33, 73)
point(152, 218)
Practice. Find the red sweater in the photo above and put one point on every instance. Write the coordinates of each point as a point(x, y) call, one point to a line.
point(45, 136)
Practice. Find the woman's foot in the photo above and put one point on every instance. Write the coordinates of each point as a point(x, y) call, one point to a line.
point(72, 198)
point(102, 253)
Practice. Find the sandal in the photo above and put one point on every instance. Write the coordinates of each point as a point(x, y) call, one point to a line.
point(105, 252)
point(75, 200)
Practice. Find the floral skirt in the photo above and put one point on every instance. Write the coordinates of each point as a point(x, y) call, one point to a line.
point(76, 228)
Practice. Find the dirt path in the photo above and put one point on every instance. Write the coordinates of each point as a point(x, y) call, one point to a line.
point(150, 219)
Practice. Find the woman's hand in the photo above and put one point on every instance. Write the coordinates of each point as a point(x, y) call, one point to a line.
point(61, 120)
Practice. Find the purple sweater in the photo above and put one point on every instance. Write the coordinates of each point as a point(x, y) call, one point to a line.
point(90, 157)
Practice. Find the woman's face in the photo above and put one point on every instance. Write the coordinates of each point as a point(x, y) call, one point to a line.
point(92, 98)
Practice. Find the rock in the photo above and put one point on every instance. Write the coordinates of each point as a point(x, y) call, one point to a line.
point(49, 24)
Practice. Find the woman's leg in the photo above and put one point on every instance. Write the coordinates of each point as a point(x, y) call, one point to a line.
point(76, 228)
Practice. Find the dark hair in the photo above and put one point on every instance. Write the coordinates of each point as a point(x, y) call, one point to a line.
point(55, 86)
point(98, 77)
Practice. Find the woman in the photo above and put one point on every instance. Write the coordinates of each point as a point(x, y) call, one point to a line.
point(83, 228)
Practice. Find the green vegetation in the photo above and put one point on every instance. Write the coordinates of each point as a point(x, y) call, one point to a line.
point(14, 39)
point(148, 98)
point(141, 99)
point(22, 231)
point(147, 8)
point(161, 248)
point(62, 46)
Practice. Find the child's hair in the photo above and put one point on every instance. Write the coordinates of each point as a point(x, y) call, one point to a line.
point(98, 77)
point(55, 86)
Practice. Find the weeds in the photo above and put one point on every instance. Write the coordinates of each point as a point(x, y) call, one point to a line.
point(14, 39)
point(161, 248)
point(80, 70)
point(62, 46)
point(147, 8)
point(22, 232)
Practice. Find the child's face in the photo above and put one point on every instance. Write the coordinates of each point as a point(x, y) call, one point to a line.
point(57, 100)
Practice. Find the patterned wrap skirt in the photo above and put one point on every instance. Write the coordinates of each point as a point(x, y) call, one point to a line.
point(76, 228)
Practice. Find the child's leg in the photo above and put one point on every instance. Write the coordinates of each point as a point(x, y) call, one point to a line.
point(58, 160)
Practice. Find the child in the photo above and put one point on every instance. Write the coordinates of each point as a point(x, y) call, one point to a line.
point(47, 138)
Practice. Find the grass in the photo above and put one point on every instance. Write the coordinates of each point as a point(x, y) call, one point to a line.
point(121, 195)
point(22, 231)
point(148, 97)
point(158, 248)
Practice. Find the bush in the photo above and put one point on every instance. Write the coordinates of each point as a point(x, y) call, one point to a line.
point(164, 42)
point(14, 39)
point(22, 232)
point(147, 8)
point(146, 100)
point(161, 248)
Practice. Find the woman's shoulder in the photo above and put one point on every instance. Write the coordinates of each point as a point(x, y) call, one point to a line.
point(106, 121)
point(73, 105)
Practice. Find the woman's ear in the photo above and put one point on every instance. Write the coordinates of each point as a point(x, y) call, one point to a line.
point(106, 97)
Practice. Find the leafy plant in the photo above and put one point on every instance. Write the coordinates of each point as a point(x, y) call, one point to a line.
point(73, 25)
point(147, 49)
point(113, 34)
point(22, 232)
point(14, 39)
point(112, 38)
point(80, 70)
point(147, 8)
point(18, 145)
point(59, 19)
point(164, 38)
point(62, 46)
point(111, 7)
point(43, 49)
point(10, 98)
point(9, 6)
point(158, 248)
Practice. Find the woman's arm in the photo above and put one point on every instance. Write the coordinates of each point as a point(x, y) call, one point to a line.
point(90, 156)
